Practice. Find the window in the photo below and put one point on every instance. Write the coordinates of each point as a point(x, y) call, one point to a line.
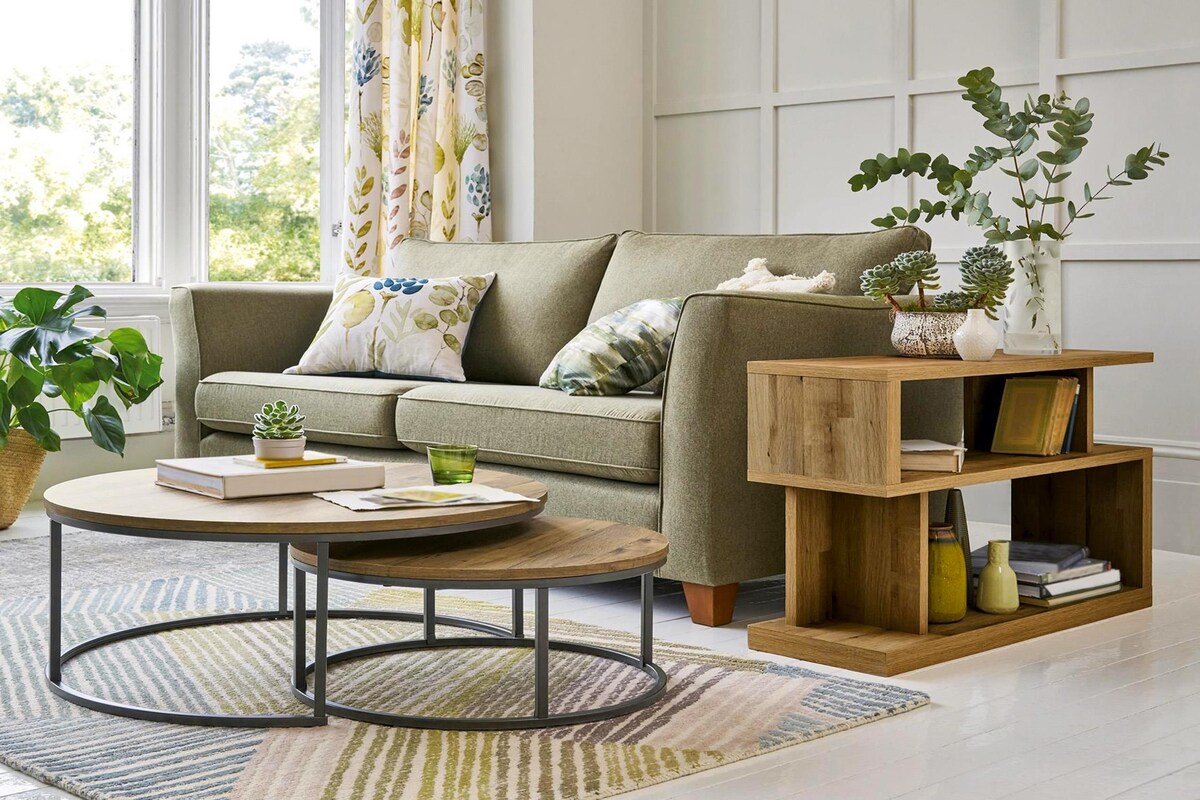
point(264, 137)
point(149, 143)
point(67, 142)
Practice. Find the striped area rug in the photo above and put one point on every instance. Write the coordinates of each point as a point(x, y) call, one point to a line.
point(718, 709)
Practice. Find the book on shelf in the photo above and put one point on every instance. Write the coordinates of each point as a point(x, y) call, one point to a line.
point(1035, 413)
point(1066, 445)
point(1065, 599)
point(311, 458)
point(1088, 566)
point(1071, 586)
point(1036, 558)
point(930, 456)
point(224, 478)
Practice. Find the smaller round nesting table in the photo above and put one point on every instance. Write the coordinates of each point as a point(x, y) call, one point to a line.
point(537, 554)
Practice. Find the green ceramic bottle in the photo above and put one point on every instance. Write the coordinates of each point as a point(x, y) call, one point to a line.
point(997, 592)
point(947, 576)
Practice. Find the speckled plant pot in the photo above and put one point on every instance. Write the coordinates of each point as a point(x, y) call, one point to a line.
point(926, 334)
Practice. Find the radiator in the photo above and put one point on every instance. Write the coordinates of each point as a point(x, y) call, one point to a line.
point(143, 418)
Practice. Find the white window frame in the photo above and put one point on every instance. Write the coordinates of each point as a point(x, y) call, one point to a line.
point(170, 228)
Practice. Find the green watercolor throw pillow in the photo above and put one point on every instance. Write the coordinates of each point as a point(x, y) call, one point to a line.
point(402, 327)
point(617, 353)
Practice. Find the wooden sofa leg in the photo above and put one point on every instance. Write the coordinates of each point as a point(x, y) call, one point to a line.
point(710, 605)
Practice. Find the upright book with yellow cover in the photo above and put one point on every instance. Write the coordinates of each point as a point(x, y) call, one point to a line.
point(1034, 414)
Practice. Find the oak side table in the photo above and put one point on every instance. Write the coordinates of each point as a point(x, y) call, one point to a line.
point(828, 430)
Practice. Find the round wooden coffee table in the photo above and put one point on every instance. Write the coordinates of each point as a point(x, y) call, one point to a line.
point(537, 554)
point(131, 504)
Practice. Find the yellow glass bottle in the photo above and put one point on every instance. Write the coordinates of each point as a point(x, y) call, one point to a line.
point(997, 592)
point(947, 576)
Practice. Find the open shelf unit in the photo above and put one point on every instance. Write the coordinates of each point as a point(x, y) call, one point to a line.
point(829, 431)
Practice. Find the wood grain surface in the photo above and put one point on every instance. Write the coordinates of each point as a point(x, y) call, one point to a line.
point(547, 547)
point(867, 648)
point(132, 500)
point(899, 368)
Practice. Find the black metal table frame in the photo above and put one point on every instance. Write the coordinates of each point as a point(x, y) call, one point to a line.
point(57, 657)
point(541, 644)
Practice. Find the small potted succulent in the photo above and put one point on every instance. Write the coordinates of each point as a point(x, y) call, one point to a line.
point(927, 328)
point(278, 432)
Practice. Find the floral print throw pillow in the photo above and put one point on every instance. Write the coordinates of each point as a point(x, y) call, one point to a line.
point(618, 353)
point(403, 327)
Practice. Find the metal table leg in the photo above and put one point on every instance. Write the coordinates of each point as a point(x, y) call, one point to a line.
point(430, 616)
point(299, 641)
point(320, 658)
point(647, 618)
point(54, 668)
point(518, 613)
point(541, 654)
point(283, 571)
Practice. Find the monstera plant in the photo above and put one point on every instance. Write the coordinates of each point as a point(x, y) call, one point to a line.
point(47, 353)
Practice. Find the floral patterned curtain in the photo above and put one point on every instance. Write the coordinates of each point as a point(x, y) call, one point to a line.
point(418, 160)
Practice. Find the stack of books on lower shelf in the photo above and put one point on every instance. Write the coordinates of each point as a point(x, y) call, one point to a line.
point(1051, 575)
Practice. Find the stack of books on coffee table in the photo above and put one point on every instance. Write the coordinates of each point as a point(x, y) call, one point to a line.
point(1050, 575)
point(234, 477)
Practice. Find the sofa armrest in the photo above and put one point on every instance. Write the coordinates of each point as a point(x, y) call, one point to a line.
point(248, 327)
point(722, 528)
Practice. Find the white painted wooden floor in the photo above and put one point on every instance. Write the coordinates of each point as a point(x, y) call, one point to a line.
point(1110, 710)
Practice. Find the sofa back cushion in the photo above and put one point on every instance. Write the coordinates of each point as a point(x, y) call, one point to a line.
point(538, 302)
point(657, 265)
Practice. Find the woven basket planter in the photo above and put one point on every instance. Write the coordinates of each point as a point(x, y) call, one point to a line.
point(20, 463)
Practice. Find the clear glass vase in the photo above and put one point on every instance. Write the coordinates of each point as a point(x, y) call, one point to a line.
point(1033, 307)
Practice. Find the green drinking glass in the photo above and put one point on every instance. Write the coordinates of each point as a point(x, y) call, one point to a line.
point(452, 463)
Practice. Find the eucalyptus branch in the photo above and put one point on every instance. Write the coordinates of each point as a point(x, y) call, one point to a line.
point(1021, 189)
point(1090, 198)
point(1049, 184)
point(1019, 130)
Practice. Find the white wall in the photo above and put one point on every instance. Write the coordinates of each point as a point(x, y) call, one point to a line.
point(758, 112)
point(510, 118)
point(565, 117)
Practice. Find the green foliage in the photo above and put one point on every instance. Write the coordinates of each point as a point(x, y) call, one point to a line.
point(1064, 123)
point(66, 172)
point(264, 217)
point(65, 176)
point(918, 268)
point(882, 282)
point(278, 420)
point(46, 353)
point(954, 302)
point(986, 275)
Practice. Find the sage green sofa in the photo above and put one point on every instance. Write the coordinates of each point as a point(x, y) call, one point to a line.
point(674, 462)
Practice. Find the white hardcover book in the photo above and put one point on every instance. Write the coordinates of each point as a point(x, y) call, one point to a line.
point(1106, 578)
point(222, 477)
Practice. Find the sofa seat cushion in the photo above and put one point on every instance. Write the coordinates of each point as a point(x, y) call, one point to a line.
point(340, 410)
point(527, 426)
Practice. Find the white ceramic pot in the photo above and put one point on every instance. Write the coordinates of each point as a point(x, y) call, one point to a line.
point(279, 449)
point(976, 339)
